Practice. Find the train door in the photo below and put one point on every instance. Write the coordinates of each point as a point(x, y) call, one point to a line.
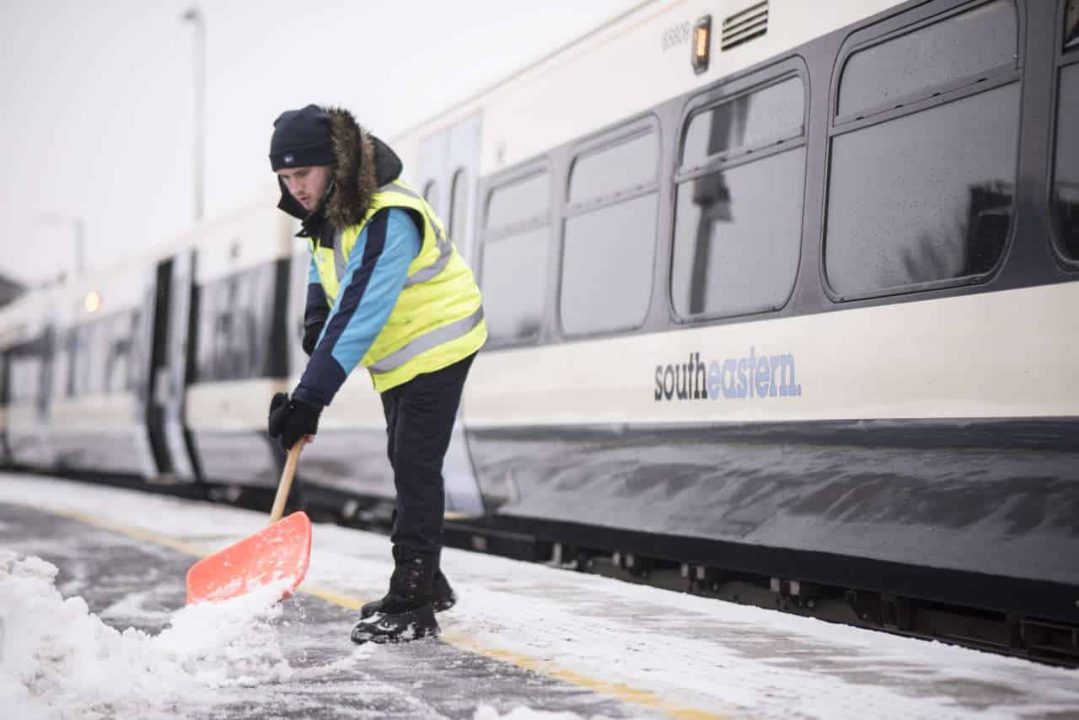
point(152, 388)
point(177, 359)
point(448, 169)
point(449, 163)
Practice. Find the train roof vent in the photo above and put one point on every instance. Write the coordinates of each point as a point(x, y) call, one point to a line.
point(745, 25)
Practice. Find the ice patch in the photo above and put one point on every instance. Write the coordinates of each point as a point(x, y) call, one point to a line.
point(58, 659)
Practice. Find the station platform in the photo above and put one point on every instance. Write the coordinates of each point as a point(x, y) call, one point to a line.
point(524, 640)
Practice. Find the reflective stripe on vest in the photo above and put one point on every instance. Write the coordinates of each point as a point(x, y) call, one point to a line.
point(340, 260)
point(425, 342)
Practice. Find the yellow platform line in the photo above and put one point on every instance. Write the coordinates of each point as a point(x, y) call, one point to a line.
point(618, 691)
point(621, 691)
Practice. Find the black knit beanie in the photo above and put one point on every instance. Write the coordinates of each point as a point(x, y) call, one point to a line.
point(301, 138)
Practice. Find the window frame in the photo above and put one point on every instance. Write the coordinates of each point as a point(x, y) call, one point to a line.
point(458, 212)
point(1065, 46)
point(605, 140)
point(1064, 56)
point(881, 32)
point(896, 27)
point(781, 70)
point(596, 143)
point(518, 175)
point(484, 235)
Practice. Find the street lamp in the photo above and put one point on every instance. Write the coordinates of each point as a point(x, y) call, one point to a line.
point(194, 15)
point(78, 227)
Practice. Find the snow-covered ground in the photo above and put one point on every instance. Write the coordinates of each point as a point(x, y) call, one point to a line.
point(575, 645)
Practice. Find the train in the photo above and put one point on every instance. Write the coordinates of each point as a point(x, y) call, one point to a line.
point(777, 291)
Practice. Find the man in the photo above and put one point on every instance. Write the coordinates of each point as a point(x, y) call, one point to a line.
point(386, 289)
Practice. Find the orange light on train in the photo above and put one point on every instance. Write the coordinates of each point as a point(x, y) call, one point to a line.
point(702, 44)
point(92, 301)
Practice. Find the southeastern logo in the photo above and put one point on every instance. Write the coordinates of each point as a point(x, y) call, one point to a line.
point(762, 376)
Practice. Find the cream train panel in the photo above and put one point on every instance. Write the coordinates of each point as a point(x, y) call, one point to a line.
point(525, 114)
point(243, 404)
point(1008, 354)
point(239, 405)
point(528, 115)
point(24, 417)
point(95, 413)
point(356, 406)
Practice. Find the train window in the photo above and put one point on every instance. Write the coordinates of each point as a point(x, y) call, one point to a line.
point(519, 202)
point(118, 365)
point(98, 350)
point(25, 372)
point(516, 248)
point(611, 250)
point(959, 49)
point(91, 350)
point(458, 206)
point(609, 241)
point(84, 376)
point(64, 368)
point(737, 226)
point(626, 166)
point(924, 197)
point(747, 122)
point(1066, 172)
point(235, 325)
point(514, 279)
point(736, 237)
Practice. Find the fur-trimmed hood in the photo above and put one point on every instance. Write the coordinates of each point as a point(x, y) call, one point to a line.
point(362, 165)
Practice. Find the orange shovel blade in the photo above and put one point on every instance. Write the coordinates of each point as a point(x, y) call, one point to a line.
point(278, 553)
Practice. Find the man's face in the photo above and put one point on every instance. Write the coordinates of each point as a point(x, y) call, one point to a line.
point(307, 184)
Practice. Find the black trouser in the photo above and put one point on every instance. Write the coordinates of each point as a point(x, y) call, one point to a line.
point(419, 423)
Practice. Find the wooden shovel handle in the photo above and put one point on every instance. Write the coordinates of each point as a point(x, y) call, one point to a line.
point(285, 484)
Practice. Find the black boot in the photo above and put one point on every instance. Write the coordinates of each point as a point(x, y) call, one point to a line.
point(407, 612)
point(442, 594)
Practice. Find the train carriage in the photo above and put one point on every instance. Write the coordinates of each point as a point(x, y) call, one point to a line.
point(787, 289)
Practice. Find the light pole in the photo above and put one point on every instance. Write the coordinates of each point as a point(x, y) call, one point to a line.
point(78, 227)
point(194, 15)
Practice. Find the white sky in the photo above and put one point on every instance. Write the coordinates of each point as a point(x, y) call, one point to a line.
point(97, 99)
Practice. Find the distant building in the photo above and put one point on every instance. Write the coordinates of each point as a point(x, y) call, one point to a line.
point(9, 289)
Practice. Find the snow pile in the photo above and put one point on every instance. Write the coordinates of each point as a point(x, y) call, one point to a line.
point(58, 658)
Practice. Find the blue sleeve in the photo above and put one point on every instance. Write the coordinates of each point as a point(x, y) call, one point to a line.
point(375, 274)
point(312, 273)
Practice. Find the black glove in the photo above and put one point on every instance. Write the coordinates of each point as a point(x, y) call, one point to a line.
point(291, 420)
point(310, 337)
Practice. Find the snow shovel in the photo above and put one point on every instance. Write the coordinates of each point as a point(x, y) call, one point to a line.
point(278, 553)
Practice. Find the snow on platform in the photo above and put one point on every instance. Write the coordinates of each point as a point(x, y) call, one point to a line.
point(524, 641)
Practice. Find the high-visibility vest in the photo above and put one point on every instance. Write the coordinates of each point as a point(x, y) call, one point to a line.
point(438, 318)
